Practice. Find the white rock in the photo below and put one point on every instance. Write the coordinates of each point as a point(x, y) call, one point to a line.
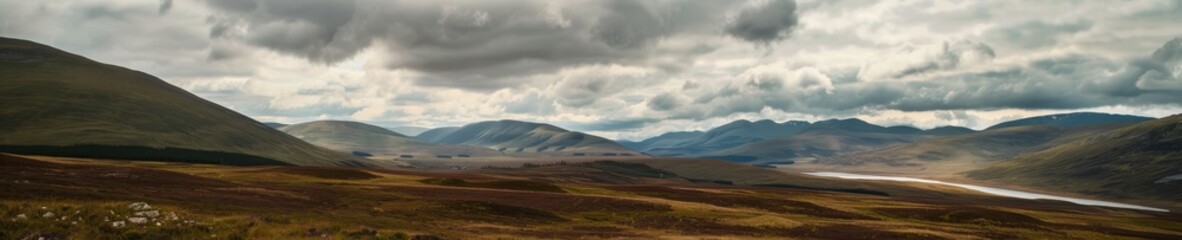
point(119, 224)
point(138, 220)
point(139, 206)
point(22, 216)
point(151, 214)
point(48, 215)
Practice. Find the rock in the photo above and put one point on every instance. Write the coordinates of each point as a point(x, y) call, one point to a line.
point(48, 215)
point(119, 224)
point(139, 206)
point(151, 214)
point(138, 220)
point(22, 216)
point(172, 216)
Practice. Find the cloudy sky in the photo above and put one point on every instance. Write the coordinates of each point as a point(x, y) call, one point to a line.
point(635, 68)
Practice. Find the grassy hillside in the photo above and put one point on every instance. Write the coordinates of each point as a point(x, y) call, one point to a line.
point(669, 139)
point(814, 144)
point(980, 146)
point(348, 137)
point(768, 139)
point(436, 134)
point(53, 98)
point(524, 137)
point(1073, 120)
point(1133, 162)
point(955, 154)
point(409, 131)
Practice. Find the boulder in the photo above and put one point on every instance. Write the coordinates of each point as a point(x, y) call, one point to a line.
point(48, 215)
point(22, 216)
point(138, 220)
point(119, 224)
point(139, 206)
point(151, 214)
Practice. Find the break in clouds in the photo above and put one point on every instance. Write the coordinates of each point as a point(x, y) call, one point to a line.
point(631, 68)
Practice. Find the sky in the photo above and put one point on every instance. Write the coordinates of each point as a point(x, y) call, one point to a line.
point(632, 69)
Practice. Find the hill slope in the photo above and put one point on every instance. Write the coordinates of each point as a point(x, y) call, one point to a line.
point(436, 134)
point(409, 131)
point(524, 137)
point(347, 136)
point(1073, 120)
point(666, 140)
point(733, 135)
point(1139, 161)
point(811, 144)
point(57, 103)
point(969, 148)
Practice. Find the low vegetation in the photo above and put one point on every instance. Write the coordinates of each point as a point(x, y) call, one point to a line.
point(636, 200)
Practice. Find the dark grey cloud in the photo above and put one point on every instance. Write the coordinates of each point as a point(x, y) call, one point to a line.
point(664, 102)
point(475, 45)
point(769, 22)
point(1156, 67)
point(306, 28)
point(165, 5)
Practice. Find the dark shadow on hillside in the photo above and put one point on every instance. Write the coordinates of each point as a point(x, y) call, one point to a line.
point(141, 153)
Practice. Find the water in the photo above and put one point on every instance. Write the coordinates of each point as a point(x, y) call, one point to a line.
point(989, 190)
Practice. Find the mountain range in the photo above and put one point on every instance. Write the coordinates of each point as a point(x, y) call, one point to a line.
point(369, 140)
point(516, 137)
point(766, 140)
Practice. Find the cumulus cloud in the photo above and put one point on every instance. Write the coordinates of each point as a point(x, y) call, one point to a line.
point(1160, 66)
point(586, 86)
point(764, 22)
point(1036, 34)
point(632, 67)
point(911, 60)
point(461, 43)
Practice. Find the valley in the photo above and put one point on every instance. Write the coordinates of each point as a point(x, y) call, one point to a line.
point(584, 120)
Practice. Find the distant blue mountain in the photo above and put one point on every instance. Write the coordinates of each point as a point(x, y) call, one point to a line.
point(743, 132)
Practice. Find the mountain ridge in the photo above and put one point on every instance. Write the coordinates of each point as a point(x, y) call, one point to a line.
point(100, 119)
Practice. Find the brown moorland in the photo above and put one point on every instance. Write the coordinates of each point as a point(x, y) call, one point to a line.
point(88, 196)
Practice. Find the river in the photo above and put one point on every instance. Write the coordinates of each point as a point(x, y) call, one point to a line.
point(989, 190)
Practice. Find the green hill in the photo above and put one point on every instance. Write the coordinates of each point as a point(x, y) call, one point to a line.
point(810, 145)
point(57, 103)
point(1072, 120)
point(350, 137)
point(1138, 161)
point(510, 136)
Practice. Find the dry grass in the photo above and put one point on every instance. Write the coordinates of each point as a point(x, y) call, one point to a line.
point(291, 202)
